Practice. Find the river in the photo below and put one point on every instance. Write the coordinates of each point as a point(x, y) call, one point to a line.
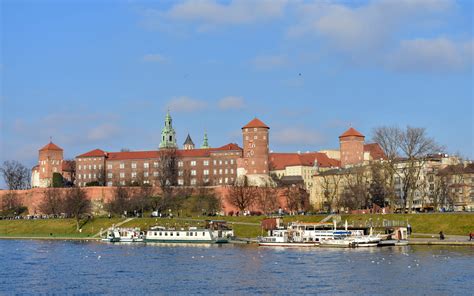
point(79, 267)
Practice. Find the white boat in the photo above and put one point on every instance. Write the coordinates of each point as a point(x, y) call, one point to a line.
point(123, 235)
point(159, 234)
point(284, 238)
point(339, 242)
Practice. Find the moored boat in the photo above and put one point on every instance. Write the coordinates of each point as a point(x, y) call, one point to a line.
point(160, 234)
point(123, 235)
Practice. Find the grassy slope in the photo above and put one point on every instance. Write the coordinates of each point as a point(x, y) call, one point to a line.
point(58, 227)
point(454, 224)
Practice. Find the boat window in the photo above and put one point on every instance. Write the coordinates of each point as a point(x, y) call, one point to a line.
point(203, 234)
point(177, 233)
point(195, 234)
point(171, 233)
point(166, 233)
point(190, 234)
point(160, 233)
point(155, 233)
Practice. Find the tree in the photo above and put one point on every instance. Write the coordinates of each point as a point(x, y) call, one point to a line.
point(406, 151)
point(296, 198)
point(11, 204)
point(57, 180)
point(77, 205)
point(16, 175)
point(330, 183)
point(242, 196)
point(120, 203)
point(356, 190)
point(267, 199)
point(379, 189)
point(51, 202)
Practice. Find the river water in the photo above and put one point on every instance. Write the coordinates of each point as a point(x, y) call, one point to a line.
point(75, 267)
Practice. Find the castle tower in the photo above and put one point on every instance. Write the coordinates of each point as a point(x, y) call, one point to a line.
point(351, 144)
point(205, 143)
point(168, 135)
point(49, 162)
point(188, 144)
point(254, 164)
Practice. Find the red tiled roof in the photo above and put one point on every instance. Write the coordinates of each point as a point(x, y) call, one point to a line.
point(68, 165)
point(351, 132)
point(375, 151)
point(133, 155)
point(51, 146)
point(94, 153)
point(278, 161)
point(255, 123)
point(156, 153)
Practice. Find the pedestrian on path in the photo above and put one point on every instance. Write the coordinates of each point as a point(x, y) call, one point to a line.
point(441, 235)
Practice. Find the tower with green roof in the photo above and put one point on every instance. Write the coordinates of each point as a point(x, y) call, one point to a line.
point(205, 143)
point(168, 134)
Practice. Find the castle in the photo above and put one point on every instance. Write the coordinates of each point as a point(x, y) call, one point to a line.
point(204, 166)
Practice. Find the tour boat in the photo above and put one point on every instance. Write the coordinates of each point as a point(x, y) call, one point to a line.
point(124, 235)
point(160, 234)
point(284, 238)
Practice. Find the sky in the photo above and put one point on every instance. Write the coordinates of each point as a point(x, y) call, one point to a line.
point(102, 74)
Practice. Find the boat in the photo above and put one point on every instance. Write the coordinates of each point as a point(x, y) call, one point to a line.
point(397, 236)
point(159, 234)
point(123, 235)
point(284, 238)
point(339, 242)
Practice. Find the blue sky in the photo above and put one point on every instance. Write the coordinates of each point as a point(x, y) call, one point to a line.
point(101, 74)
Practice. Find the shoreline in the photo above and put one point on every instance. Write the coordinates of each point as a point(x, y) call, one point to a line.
point(411, 242)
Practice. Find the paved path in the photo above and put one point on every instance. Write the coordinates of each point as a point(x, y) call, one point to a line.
point(433, 239)
point(229, 222)
point(116, 225)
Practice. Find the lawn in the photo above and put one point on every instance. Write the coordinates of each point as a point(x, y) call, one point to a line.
point(449, 223)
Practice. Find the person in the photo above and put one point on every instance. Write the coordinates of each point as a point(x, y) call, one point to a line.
point(471, 236)
point(441, 235)
point(409, 229)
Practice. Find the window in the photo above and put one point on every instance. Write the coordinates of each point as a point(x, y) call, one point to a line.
point(122, 165)
point(109, 166)
point(180, 182)
point(226, 171)
point(155, 174)
point(146, 182)
point(215, 172)
point(79, 166)
point(146, 165)
point(145, 174)
point(180, 173)
point(180, 164)
point(109, 175)
point(215, 162)
point(205, 162)
point(100, 166)
point(193, 181)
point(90, 176)
point(134, 165)
point(226, 162)
point(231, 161)
point(226, 180)
point(206, 172)
point(220, 162)
point(193, 163)
point(95, 167)
point(255, 137)
point(95, 176)
point(79, 176)
point(155, 164)
point(134, 174)
point(90, 167)
point(122, 175)
point(220, 171)
point(193, 172)
point(122, 183)
point(109, 184)
point(231, 171)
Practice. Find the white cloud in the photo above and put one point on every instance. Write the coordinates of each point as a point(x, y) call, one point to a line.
point(154, 58)
point(362, 30)
point(102, 132)
point(439, 54)
point(186, 104)
point(295, 135)
point(267, 62)
point(210, 14)
point(231, 103)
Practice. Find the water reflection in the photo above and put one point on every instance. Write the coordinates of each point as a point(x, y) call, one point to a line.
point(66, 267)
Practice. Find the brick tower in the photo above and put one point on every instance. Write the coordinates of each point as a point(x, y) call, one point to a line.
point(50, 161)
point(351, 144)
point(254, 164)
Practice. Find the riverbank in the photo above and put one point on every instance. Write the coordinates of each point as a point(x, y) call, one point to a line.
point(424, 225)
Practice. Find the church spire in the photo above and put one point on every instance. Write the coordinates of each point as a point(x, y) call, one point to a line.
point(188, 144)
point(205, 144)
point(168, 134)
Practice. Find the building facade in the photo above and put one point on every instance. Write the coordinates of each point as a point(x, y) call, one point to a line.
point(50, 161)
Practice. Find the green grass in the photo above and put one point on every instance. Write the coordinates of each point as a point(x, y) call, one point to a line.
point(454, 224)
point(56, 227)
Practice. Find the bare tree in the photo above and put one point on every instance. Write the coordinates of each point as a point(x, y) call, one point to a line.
point(296, 198)
point(16, 175)
point(77, 205)
point(120, 203)
point(330, 186)
point(267, 199)
point(11, 204)
point(406, 151)
point(51, 202)
point(242, 196)
point(379, 188)
point(356, 193)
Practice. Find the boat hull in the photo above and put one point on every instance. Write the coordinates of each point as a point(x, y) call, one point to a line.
point(287, 245)
point(187, 241)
